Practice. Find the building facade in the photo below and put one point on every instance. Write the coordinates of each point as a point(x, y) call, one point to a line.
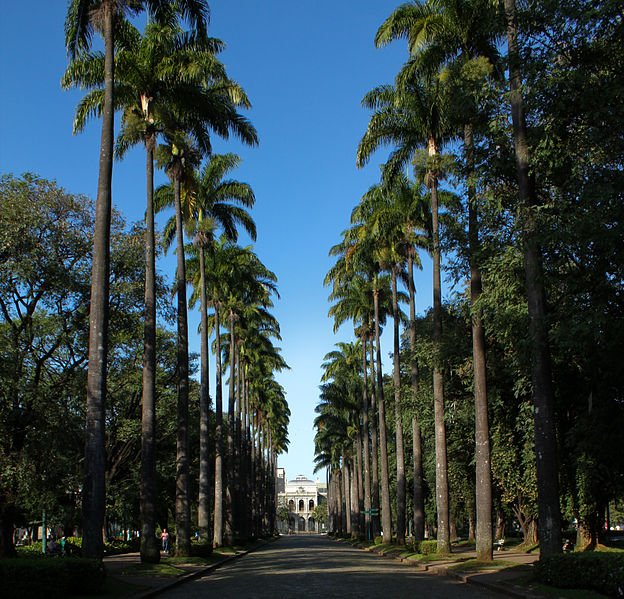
point(300, 497)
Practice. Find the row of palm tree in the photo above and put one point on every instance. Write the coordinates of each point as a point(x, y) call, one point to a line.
point(173, 94)
point(107, 17)
point(437, 99)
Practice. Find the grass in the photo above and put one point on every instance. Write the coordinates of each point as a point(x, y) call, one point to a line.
point(162, 570)
point(473, 565)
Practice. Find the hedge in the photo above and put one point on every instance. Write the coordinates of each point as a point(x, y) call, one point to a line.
point(50, 577)
point(428, 547)
point(599, 571)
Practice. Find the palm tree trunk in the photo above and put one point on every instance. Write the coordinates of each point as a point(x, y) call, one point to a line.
point(339, 502)
point(549, 523)
point(398, 421)
point(203, 507)
point(375, 520)
point(217, 540)
point(243, 487)
point(183, 508)
point(253, 475)
point(482, 428)
point(346, 484)
point(386, 510)
point(418, 488)
point(94, 488)
point(150, 551)
point(230, 527)
point(442, 489)
point(365, 443)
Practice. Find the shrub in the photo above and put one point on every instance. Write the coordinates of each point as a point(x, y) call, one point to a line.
point(50, 578)
point(378, 540)
point(428, 547)
point(119, 547)
point(602, 572)
point(201, 549)
point(32, 550)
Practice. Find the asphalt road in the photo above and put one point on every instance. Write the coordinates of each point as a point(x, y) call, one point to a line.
point(316, 567)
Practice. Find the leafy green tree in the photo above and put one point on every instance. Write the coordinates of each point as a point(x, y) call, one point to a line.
point(44, 242)
point(543, 394)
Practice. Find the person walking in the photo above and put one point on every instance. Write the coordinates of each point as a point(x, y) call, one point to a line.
point(164, 536)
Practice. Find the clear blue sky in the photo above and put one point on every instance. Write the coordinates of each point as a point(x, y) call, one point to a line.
point(305, 64)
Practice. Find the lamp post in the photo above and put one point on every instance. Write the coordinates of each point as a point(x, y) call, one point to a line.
point(44, 536)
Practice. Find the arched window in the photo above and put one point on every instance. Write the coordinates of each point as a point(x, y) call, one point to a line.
point(301, 505)
point(291, 505)
point(311, 505)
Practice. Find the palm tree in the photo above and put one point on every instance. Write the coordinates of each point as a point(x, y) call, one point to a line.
point(342, 367)
point(411, 116)
point(179, 159)
point(83, 16)
point(395, 214)
point(219, 203)
point(357, 254)
point(446, 34)
point(257, 359)
point(352, 295)
point(222, 258)
point(335, 423)
point(187, 135)
point(249, 288)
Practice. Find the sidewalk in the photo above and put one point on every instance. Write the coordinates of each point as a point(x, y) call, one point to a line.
point(504, 581)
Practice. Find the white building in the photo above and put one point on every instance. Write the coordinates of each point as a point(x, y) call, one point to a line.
point(301, 496)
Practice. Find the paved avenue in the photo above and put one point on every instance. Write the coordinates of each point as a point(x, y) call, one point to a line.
point(314, 566)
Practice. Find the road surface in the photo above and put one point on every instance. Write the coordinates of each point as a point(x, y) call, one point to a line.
point(320, 568)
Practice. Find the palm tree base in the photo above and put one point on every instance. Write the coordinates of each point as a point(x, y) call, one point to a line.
point(150, 550)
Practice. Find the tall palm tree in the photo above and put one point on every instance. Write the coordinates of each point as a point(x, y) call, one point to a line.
point(187, 136)
point(222, 258)
point(447, 34)
point(257, 360)
point(249, 289)
point(411, 116)
point(219, 204)
point(352, 297)
point(356, 256)
point(179, 159)
point(83, 17)
point(342, 366)
point(396, 217)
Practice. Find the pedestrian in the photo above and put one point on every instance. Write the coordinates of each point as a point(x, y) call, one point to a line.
point(165, 540)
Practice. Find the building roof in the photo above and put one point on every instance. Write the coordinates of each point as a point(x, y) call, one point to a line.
point(300, 479)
